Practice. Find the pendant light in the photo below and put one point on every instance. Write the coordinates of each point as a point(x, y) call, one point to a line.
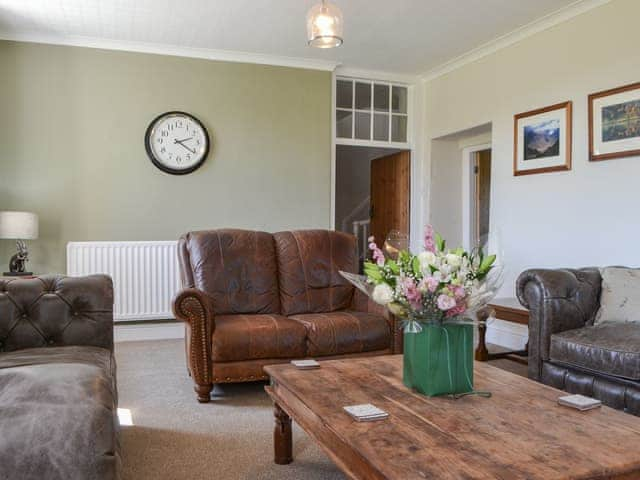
point(324, 25)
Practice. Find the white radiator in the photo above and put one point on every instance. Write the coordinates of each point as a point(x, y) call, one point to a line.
point(145, 274)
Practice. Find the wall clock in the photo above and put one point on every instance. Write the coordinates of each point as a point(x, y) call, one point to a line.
point(177, 143)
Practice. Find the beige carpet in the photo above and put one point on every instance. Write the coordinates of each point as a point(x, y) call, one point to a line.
point(175, 437)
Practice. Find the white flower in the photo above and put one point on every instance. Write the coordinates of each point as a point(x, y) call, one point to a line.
point(382, 294)
point(426, 259)
point(454, 260)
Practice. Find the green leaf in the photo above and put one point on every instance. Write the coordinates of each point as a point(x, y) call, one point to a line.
point(440, 243)
point(394, 267)
point(416, 266)
point(487, 262)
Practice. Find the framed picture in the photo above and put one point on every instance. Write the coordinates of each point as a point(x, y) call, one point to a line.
point(614, 123)
point(542, 140)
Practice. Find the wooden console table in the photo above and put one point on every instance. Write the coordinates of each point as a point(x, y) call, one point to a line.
point(510, 310)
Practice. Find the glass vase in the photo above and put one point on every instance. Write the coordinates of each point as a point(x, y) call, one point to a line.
point(438, 357)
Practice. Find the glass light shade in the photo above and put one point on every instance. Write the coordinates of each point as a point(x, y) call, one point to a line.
point(324, 25)
point(18, 225)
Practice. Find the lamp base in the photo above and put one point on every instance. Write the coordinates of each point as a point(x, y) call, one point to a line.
point(17, 274)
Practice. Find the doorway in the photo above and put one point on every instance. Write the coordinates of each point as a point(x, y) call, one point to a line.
point(372, 195)
point(478, 189)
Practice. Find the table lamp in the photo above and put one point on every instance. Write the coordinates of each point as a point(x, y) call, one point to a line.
point(18, 226)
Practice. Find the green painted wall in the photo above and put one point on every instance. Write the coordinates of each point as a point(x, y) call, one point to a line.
point(72, 124)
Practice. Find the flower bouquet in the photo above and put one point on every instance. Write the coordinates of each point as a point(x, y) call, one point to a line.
point(436, 293)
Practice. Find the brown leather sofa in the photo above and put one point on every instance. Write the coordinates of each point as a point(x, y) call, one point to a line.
point(252, 299)
point(567, 350)
point(58, 397)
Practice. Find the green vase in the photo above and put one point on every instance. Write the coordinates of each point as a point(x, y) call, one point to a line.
point(438, 360)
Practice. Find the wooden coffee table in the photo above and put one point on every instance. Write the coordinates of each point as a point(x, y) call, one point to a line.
point(519, 433)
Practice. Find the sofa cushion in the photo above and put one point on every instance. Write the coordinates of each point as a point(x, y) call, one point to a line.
point(608, 348)
point(236, 268)
point(58, 414)
point(337, 333)
point(620, 295)
point(309, 262)
point(251, 337)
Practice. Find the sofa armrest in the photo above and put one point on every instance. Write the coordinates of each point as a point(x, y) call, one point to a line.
point(54, 311)
point(362, 303)
point(557, 300)
point(194, 307)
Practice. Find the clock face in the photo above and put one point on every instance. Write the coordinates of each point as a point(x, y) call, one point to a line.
point(177, 143)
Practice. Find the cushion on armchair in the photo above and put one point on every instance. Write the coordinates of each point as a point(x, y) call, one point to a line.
point(609, 348)
point(620, 295)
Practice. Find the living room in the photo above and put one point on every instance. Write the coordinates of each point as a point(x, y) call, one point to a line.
point(209, 174)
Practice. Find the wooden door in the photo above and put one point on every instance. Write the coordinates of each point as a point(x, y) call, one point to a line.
point(390, 193)
point(482, 172)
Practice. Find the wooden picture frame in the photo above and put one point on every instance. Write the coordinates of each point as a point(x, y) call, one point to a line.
point(550, 129)
point(615, 141)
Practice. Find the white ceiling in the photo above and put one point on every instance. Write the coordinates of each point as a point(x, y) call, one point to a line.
point(400, 36)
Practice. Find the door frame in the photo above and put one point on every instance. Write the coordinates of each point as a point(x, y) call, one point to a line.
point(415, 144)
point(468, 189)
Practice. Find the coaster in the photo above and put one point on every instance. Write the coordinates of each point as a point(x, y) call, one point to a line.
point(308, 364)
point(366, 412)
point(579, 402)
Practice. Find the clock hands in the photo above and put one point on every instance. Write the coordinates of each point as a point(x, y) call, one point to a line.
point(181, 143)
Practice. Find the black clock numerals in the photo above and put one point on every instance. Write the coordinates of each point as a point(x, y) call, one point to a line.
point(177, 143)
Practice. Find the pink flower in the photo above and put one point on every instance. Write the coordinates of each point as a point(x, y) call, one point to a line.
point(459, 309)
point(410, 290)
point(429, 243)
point(457, 291)
point(428, 284)
point(377, 254)
point(445, 302)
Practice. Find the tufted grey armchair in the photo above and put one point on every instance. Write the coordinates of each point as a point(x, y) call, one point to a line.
point(566, 349)
point(58, 397)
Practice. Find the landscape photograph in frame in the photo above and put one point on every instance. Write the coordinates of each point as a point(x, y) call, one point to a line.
point(542, 140)
point(614, 123)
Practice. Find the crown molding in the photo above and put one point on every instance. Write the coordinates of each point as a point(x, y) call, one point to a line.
point(172, 50)
point(566, 13)
point(365, 74)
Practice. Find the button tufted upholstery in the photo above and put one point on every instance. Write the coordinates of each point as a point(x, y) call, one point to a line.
point(55, 311)
point(565, 349)
point(58, 398)
point(252, 299)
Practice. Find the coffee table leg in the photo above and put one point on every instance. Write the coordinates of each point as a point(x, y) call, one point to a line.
point(282, 442)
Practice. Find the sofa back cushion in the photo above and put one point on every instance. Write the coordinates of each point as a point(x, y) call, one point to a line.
point(56, 311)
point(620, 295)
point(236, 268)
point(309, 262)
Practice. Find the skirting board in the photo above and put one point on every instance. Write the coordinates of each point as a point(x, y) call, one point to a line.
point(133, 332)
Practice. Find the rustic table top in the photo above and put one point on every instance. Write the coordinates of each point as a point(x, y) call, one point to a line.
point(519, 433)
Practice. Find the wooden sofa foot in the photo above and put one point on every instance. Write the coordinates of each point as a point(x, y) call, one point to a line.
point(204, 392)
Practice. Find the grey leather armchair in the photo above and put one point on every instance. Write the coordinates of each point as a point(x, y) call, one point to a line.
point(566, 349)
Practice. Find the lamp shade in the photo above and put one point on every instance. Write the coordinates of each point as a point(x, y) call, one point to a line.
point(324, 25)
point(18, 225)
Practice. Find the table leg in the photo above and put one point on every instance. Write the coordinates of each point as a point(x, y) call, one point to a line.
point(282, 442)
point(482, 354)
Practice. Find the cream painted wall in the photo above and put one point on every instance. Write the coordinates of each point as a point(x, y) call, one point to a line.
point(72, 123)
point(587, 216)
